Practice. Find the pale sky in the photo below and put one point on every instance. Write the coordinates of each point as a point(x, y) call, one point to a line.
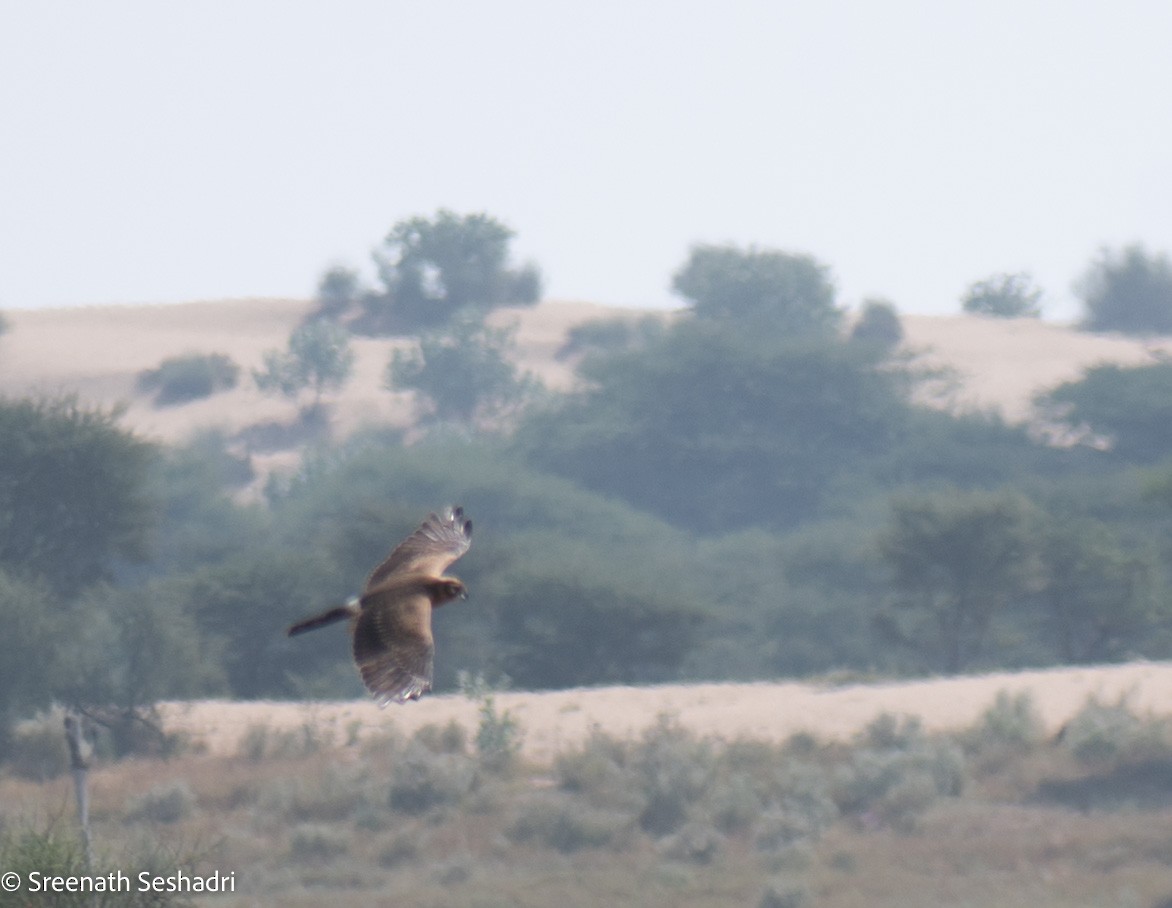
point(157, 152)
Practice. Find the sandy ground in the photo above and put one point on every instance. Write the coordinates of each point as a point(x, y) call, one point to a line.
point(97, 352)
point(1000, 364)
point(556, 720)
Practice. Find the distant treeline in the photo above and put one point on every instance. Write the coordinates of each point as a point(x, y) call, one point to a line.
point(747, 491)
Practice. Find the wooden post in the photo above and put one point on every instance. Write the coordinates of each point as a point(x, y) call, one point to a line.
point(79, 751)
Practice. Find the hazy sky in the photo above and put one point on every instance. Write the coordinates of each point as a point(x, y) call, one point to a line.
point(154, 151)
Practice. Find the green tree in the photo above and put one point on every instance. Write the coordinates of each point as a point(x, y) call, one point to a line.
point(1129, 406)
point(463, 373)
point(338, 291)
point(760, 291)
point(431, 268)
point(242, 606)
point(878, 324)
point(715, 429)
point(957, 560)
point(1129, 291)
point(615, 595)
point(1098, 593)
point(123, 649)
point(1003, 296)
point(29, 650)
point(318, 357)
point(73, 496)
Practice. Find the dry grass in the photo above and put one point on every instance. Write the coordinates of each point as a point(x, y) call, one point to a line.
point(730, 821)
point(555, 720)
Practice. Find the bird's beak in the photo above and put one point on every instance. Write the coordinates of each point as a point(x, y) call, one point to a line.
point(464, 594)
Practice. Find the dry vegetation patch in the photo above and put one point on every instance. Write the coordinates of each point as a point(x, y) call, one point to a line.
point(894, 814)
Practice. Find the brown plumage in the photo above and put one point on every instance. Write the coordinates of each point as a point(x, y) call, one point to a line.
point(390, 622)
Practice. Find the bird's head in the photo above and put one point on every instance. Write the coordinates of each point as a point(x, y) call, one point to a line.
point(446, 589)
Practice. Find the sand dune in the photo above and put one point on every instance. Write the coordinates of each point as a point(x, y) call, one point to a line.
point(1000, 364)
point(97, 352)
point(555, 720)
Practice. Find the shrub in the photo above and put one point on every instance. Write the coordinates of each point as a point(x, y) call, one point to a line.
point(734, 803)
point(334, 793)
point(559, 822)
point(180, 379)
point(56, 854)
point(1003, 296)
point(400, 850)
point(498, 736)
point(443, 739)
point(168, 802)
point(1105, 733)
point(675, 769)
point(37, 749)
point(783, 895)
point(315, 842)
point(800, 807)
point(261, 741)
point(896, 772)
point(1011, 725)
point(424, 780)
point(694, 843)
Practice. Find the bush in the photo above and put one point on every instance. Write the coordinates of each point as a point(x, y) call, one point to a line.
point(1011, 725)
point(314, 842)
point(783, 895)
point(1003, 296)
point(799, 807)
point(498, 736)
point(443, 739)
point(37, 749)
point(600, 769)
point(335, 793)
point(694, 843)
point(734, 803)
point(169, 802)
point(896, 772)
point(1110, 733)
point(180, 379)
point(559, 822)
point(424, 780)
point(400, 850)
point(53, 853)
point(675, 770)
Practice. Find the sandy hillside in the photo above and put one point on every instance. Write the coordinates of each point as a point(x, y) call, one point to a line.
point(98, 351)
point(769, 711)
point(1001, 363)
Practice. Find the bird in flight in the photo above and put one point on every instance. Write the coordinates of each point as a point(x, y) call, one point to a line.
point(390, 623)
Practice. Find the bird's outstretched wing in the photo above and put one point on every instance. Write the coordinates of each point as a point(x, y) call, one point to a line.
point(439, 541)
point(393, 645)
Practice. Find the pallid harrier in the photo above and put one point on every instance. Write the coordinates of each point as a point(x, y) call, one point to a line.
point(390, 623)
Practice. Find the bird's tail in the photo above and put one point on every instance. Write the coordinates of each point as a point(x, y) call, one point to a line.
point(338, 613)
